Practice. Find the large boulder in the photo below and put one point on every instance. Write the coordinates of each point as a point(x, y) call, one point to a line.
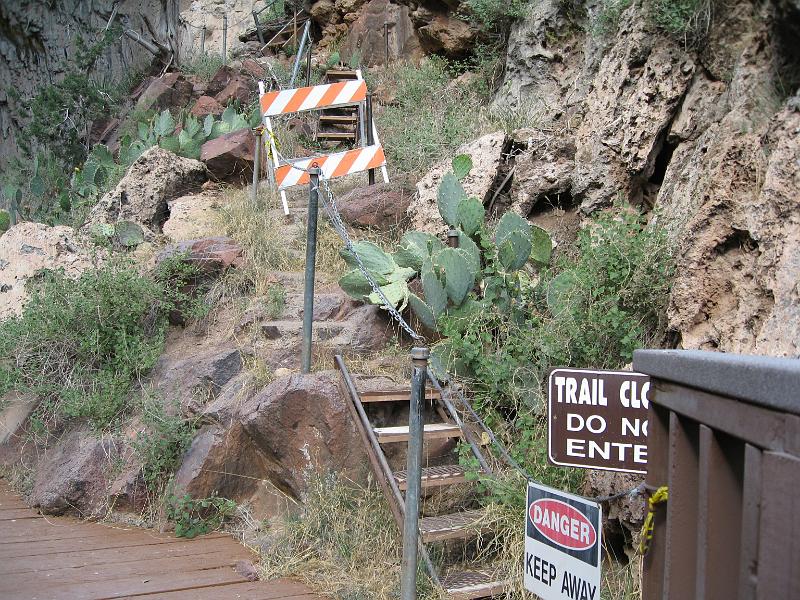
point(206, 105)
point(75, 474)
point(26, 249)
point(230, 156)
point(487, 157)
point(445, 34)
point(169, 91)
point(365, 37)
point(238, 89)
point(142, 196)
point(382, 206)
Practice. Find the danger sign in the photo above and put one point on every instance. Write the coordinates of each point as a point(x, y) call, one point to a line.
point(598, 419)
point(562, 545)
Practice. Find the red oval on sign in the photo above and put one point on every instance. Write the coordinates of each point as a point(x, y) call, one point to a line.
point(563, 524)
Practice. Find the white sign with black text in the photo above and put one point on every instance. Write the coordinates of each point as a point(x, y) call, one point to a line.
point(562, 545)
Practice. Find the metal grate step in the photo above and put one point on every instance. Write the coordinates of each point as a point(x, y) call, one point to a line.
point(401, 395)
point(435, 476)
point(461, 525)
point(432, 431)
point(466, 585)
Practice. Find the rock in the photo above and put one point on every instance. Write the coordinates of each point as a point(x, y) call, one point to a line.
point(193, 380)
point(219, 80)
point(193, 217)
point(252, 68)
point(16, 410)
point(73, 476)
point(487, 156)
point(543, 172)
point(29, 247)
point(448, 35)
point(142, 196)
point(206, 105)
point(170, 91)
point(323, 12)
point(238, 89)
point(231, 155)
point(365, 36)
point(301, 422)
point(382, 206)
point(211, 255)
point(623, 516)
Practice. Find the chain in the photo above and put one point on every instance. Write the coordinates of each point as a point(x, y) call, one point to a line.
point(329, 204)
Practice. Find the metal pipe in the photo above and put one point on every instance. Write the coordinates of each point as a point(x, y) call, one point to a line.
point(386, 39)
point(308, 63)
point(370, 134)
point(258, 133)
point(296, 68)
point(419, 370)
point(311, 253)
point(203, 41)
point(224, 39)
point(452, 237)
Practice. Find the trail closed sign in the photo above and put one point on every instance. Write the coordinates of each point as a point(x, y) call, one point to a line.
point(598, 419)
point(562, 545)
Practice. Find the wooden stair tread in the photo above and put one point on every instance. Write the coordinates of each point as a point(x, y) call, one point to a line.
point(466, 585)
point(336, 135)
point(399, 395)
point(340, 74)
point(338, 119)
point(432, 431)
point(461, 525)
point(435, 476)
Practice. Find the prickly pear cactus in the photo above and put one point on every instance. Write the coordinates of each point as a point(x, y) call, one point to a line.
point(470, 215)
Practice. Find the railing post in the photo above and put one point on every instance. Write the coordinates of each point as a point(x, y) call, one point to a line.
point(370, 133)
point(311, 253)
point(386, 39)
point(258, 28)
point(308, 63)
point(224, 39)
point(419, 370)
point(203, 41)
point(258, 134)
point(452, 238)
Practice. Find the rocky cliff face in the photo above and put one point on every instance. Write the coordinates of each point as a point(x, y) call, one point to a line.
point(706, 138)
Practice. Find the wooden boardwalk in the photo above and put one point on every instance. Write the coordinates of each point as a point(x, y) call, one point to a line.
point(58, 558)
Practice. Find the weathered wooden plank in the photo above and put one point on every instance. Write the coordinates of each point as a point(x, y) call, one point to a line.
point(278, 589)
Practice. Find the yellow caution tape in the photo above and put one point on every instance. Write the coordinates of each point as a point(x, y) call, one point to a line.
point(660, 495)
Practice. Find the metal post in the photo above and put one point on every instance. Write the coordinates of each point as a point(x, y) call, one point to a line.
point(370, 134)
point(203, 41)
point(408, 578)
point(258, 133)
point(224, 39)
point(299, 55)
point(452, 238)
point(308, 63)
point(311, 253)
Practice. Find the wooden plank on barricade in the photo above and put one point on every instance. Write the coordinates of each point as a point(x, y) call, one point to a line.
point(332, 165)
point(314, 97)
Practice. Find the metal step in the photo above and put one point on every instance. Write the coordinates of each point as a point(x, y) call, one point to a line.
point(466, 585)
point(340, 74)
point(395, 395)
point(435, 476)
point(463, 525)
point(432, 431)
point(336, 135)
point(343, 119)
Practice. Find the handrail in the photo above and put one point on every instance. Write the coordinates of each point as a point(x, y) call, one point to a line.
point(384, 465)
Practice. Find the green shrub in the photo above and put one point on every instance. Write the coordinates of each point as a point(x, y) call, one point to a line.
point(606, 20)
point(495, 14)
point(687, 21)
point(5, 221)
point(443, 115)
point(193, 517)
point(162, 443)
point(204, 66)
point(80, 344)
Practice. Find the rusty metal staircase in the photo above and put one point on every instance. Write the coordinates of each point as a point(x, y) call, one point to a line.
point(338, 125)
point(465, 525)
point(286, 32)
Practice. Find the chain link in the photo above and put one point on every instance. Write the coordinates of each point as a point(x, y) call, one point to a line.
point(329, 204)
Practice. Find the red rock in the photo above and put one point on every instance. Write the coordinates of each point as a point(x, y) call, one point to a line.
point(382, 205)
point(238, 88)
point(219, 80)
point(212, 255)
point(170, 91)
point(252, 68)
point(206, 105)
point(230, 155)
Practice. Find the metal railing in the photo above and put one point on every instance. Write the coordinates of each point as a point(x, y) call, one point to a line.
point(724, 440)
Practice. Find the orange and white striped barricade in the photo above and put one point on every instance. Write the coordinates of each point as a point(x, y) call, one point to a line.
point(316, 97)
